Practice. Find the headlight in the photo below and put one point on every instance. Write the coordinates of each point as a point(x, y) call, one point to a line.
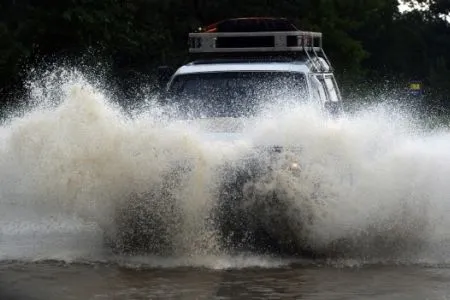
point(294, 166)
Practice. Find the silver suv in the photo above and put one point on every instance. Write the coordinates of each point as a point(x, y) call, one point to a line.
point(239, 65)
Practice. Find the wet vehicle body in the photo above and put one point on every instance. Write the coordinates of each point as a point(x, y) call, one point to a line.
point(235, 62)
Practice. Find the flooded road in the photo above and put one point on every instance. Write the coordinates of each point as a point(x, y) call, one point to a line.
point(55, 281)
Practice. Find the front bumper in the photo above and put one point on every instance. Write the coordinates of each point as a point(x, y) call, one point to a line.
point(252, 207)
point(247, 207)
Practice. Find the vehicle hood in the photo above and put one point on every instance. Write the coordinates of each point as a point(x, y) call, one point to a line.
point(219, 129)
point(230, 130)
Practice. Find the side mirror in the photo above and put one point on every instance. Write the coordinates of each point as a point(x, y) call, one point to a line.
point(164, 75)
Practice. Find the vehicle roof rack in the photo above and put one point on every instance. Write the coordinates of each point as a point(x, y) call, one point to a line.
point(258, 37)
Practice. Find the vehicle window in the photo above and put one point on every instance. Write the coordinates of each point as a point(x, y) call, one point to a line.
point(233, 94)
point(332, 92)
point(319, 89)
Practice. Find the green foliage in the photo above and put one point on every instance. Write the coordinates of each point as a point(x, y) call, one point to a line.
point(366, 40)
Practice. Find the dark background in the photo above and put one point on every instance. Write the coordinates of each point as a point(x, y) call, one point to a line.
point(372, 45)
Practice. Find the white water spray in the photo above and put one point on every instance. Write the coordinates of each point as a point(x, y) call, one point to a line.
point(371, 185)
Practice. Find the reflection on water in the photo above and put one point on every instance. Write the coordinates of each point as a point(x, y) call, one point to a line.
point(52, 281)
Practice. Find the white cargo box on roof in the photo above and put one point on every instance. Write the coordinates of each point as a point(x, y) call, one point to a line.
point(206, 42)
point(270, 43)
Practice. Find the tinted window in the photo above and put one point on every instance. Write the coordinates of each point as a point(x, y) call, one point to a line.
point(233, 94)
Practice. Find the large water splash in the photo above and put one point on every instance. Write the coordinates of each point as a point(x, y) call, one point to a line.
point(371, 186)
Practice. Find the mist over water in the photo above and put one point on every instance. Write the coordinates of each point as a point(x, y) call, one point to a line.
point(373, 186)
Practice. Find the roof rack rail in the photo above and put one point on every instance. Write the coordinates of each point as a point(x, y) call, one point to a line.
point(268, 42)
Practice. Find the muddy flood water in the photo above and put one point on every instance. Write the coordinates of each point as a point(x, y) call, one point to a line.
point(54, 281)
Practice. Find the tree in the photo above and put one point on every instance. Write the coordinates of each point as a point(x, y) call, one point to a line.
point(365, 40)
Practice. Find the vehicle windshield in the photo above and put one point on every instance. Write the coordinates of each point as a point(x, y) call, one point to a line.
point(233, 94)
